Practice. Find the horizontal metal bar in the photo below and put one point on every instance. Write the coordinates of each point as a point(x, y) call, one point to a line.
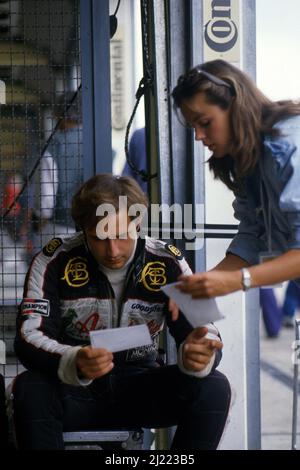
point(221, 226)
point(95, 436)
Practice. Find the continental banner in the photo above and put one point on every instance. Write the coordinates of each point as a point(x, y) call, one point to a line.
point(222, 34)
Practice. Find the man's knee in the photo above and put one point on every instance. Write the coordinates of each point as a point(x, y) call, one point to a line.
point(211, 393)
point(222, 385)
point(37, 412)
point(33, 394)
point(216, 391)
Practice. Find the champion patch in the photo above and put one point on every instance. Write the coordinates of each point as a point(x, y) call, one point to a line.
point(35, 306)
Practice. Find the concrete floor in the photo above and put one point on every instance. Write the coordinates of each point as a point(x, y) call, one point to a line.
point(277, 392)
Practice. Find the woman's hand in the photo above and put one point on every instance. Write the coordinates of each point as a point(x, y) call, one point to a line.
point(198, 350)
point(210, 283)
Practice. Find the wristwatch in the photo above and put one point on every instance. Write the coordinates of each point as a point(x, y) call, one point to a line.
point(246, 279)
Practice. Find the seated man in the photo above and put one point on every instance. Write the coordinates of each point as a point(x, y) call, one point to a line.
point(86, 283)
point(3, 416)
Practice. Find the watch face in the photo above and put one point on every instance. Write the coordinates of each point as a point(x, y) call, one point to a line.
point(246, 279)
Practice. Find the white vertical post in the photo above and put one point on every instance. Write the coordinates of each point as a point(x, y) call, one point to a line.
point(2, 92)
point(2, 352)
point(229, 34)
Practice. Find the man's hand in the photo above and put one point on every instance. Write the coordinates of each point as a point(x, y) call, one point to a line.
point(93, 363)
point(198, 350)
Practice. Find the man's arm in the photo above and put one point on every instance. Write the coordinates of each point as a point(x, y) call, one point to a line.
point(93, 363)
point(197, 355)
point(39, 321)
point(202, 346)
point(199, 349)
point(40, 327)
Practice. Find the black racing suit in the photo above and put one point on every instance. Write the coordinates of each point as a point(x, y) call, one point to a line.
point(65, 297)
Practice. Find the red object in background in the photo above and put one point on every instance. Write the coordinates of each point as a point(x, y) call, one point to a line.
point(11, 191)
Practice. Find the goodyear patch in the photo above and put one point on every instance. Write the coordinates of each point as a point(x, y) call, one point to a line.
point(52, 246)
point(174, 251)
point(34, 306)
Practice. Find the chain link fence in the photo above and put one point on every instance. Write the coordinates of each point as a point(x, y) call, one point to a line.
point(41, 161)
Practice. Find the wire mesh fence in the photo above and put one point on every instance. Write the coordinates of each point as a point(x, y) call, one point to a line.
point(41, 162)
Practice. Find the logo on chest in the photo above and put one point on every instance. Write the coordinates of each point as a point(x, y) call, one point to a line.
point(76, 273)
point(154, 276)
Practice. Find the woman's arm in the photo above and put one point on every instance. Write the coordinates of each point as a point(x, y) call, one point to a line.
point(230, 263)
point(283, 268)
point(226, 277)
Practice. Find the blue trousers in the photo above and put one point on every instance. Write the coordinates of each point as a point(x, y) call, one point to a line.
point(291, 300)
point(272, 314)
point(124, 398)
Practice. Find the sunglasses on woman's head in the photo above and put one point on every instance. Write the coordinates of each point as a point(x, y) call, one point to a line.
point(194, 74)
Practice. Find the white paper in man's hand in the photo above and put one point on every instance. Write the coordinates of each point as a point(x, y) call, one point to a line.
point(197, 311)
point(119, 339)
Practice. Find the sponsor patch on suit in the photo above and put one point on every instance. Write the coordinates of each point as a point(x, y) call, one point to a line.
point(52, 246)
point(34, 306)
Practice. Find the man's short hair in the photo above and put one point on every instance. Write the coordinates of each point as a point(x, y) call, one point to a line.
point(101, 189)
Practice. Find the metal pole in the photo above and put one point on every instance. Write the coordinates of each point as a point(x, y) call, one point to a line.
point(96, 109)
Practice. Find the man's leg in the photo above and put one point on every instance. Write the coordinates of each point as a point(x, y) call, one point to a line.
point(37, 412)
point(44, 408)
point(202, 424)
point(153, 398)
point(3, 416)
point(164, 396)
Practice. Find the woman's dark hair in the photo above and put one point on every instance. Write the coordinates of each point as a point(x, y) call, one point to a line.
point(252, 114)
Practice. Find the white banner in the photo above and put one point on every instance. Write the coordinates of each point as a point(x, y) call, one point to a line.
point(221, 20)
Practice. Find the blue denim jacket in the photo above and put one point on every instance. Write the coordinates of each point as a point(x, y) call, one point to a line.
point(278, 176)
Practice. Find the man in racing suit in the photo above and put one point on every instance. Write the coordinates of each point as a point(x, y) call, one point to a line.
point(87, 283)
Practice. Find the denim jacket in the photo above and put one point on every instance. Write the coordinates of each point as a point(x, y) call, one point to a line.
point(272, 194)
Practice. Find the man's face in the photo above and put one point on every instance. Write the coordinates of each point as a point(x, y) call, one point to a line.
point(117, 241)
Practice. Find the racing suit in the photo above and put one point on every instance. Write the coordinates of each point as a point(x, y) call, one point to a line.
point(65, 297)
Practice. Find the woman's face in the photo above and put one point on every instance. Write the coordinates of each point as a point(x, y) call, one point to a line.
point(210, 122)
